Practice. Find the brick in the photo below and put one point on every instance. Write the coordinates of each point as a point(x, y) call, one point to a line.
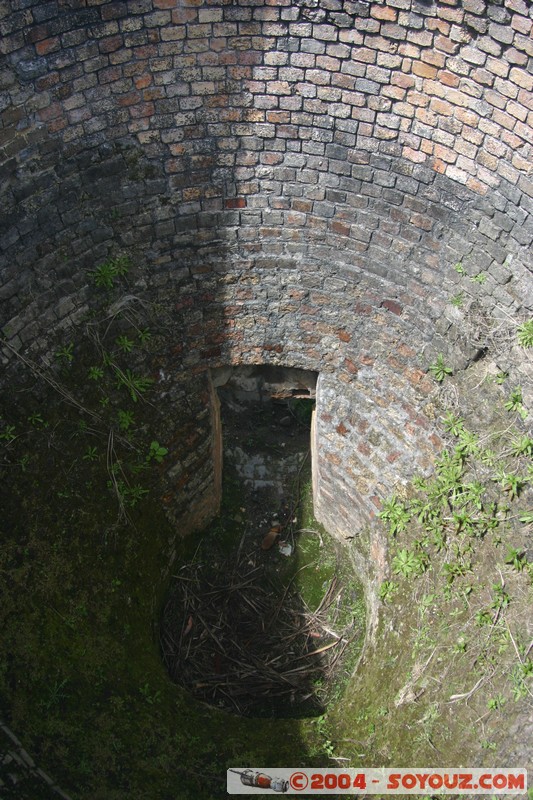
point(497, 67)
point(477, 186)
point(457, 174)
point(446, 45)
point(434, 58)
point(400, 79)
point(47, 46)
point(449, 79)
point(441, 107)
point(413, 155)
point(483, 76)
point(501, 33)
point(521, 24)
point(384, 13)
point(424, 70)
point(521, 78)
point(392, 31)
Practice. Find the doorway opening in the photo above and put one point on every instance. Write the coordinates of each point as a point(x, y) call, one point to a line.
point(261, 619)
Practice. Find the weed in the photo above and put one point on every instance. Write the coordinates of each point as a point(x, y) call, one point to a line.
point(453, 424)
point(525, 334)
point(66, 353)
point(144, 336)
point(105, 275)
point(35, 419)
point(514, 403)
point(125, 344)
point(125, 419)
point(523, 446)
point(526, 518)
point(457, 300)
point(460, 269)
point(439, 370)
point(408, 564)
point(501, 377)
point(501, 598)
point(149, 695)
point(136, 385)
point(483, 617)
point(91, 454)
point(495, 703)
point(157, 453)
point(516, 559)
point(96, 373)
point(387, 590)
point(511, 484)
point(488, 745)
point(481, 277)
point(396, 514)
point(8, 434)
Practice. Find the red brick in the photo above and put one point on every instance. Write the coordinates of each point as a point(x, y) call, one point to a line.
point(384, 12)
point(424, 70)
point(47, 46)
point(142, 81)
point(446, 45)
point(477, 186)
point(235, 202)
point(449, 79)
point(405, 81)
point(392, 306)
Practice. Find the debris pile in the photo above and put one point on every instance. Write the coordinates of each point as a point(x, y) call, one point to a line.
point(236, 640)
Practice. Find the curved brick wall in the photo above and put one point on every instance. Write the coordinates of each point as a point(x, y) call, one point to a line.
point(295, 180)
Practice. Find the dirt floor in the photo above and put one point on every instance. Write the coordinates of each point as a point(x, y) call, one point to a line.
point(260, 620)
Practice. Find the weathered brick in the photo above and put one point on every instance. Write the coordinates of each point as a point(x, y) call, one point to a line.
point(424, 70)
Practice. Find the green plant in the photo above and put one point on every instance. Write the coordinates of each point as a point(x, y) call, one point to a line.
point(481, 277)
point(125, 420)
point(396, 514)
point(149, 695)
point(514, 403)
point(125, 344)
point(439, 370)
point(8, 434)
point(136, 385)
point(455, 569)
point(457, 300)
point(144, 336)
point(526, 518)
point(520, 674)
point(66, 353)
point(157, 453)
point(501, 377)
point(501, 598)
point(387, 590)
point(496, 702)
point(468, 443)
point(525, 334)
point(96, 373)
point(453, 424)
point(105, 274)
point(511, 484)
point(516, 558)
point(483, 617)
point(523, 446)
point(408, 564)
point(35, 419)
point(91, 454)
point(459, 268)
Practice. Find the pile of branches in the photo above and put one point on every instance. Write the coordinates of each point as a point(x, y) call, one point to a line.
point(238, 642)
